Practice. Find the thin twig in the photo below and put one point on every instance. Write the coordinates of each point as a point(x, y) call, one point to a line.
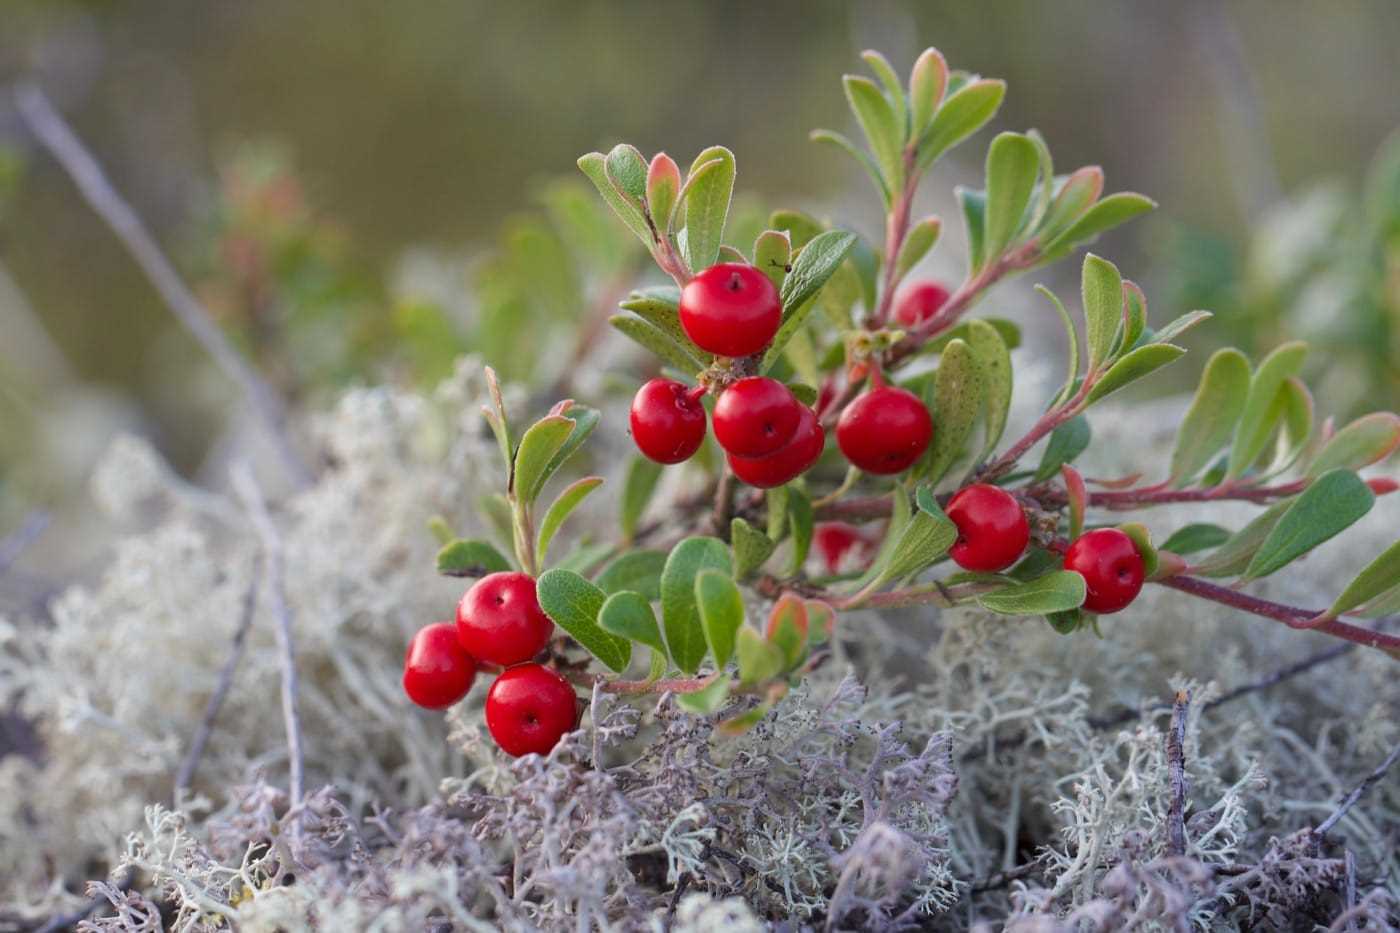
point(71, 920)
point(49, 127)
point(274, 571)
point(1349, 859)
point(1358, 792)
point(724, 503)
point(1176, 768)
point(26, 534)
point(185, 775)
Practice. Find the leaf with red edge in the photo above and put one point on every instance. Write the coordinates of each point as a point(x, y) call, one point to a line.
point(1078, 498)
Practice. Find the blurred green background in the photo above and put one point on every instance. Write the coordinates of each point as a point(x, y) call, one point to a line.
point(335, 137)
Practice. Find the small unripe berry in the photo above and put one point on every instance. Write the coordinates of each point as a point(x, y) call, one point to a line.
point(529, 708)
point(668, 421)
point(1111, 566)
point(787, 462)
point(885, 430)
point(731, 309)
point(920, 302)
point(500, 619)
point(992, 528)
point(437, 671)
point(842, 546)
point(756, 416)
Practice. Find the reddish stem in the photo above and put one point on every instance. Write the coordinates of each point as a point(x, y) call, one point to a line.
point(896, 229)
point(1156, 495)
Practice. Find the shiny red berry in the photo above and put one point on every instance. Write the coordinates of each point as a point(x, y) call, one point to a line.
point(529, 708)
point(668, 421)
point(920, 302)
point(731, 309)
point(1111, 566)
point(437, 671)
point(842, 546)
point(756, 416)
point(992, 528)
point(500, 620)
point(787, 462)
point(884, 430)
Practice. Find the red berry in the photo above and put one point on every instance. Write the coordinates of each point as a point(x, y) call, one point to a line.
point(500, 620)
point(841, 546)
point(920, 302)
point(437, 671)
point(756, 416)
point(1111, 566)
point(885, 430)
point(731, 309)
point(787, 462)
point(992, 528)
point(529, 708)
point(668, 423)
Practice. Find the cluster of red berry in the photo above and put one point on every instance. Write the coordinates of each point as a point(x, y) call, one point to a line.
point(499, 622)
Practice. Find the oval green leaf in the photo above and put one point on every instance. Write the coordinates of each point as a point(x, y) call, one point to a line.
point(1330, 504)
point(574, 603)
point(680, 613)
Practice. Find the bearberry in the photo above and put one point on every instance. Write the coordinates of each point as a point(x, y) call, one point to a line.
point(841, 546)
point(668, 421)
point(437, 671)
point(992, 528)
point(787, 462)
point(756, 416)
point(731, 309)
point(920, 302)
point(1111, 566)
point(529, 708)
point(884, 430)
point(500, 619)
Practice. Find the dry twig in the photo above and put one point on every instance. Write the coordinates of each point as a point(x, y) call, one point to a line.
point(1176, 768)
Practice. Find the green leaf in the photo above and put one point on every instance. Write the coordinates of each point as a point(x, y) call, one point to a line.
point(1079, 190)
point(628, 615)
point(1295, 404)
point(585, 419)
point(1066, 443)
point(1105, 215)
point(1379, 575)
point(658, 342)
point(800, 525)
point(900, 515)
point(707, 699)
point(776, 500)
point(965, 112)
point(958, 398)
point(1103, 306)
point(759, 660)
point(721, 613)
point(1046, 169)
point(1134, 316)
point(916, 245)
point(1142, 538)
point(1215, 411)
point(817, 262)
point(788, 628)
point(470, 557)
point(1077, 499)
point(634, 570)
point(884, 129)
point(679, 612)
point(637, 490)
point(1013, 165)
point(1066, 623)
point(894, 90)
point(1329, 505)
point(1198, 536)
point(802, 228)
point(563, 505)
point(1234, 555)
point(658, 308)
point(974, 211)
point(863, 159)
point(1060, 591)
point(707, 206)
point(594, 165)
point(772, 252)
point(541, 441)
point(496, 417)
point(751, 547)
point(574, 603)
point(924, 538)
point(1133, 366)
point(994, 361)
point(1255, 425)
point(1073, 345)
point(1181, 325)
point(927, 80)
point(1367, 440)
point(741, 723)
point(441, 530)
point(627, 170)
